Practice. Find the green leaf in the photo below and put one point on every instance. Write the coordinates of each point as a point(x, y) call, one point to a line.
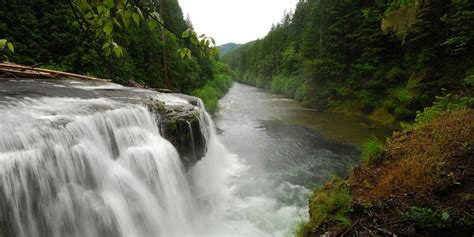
point(89, 15)
point(117, 23)
point(118, 51)
point(185, 34)
point(107, 12)
point(140, 12)
point(10, 47)
point(136, 18)
point(152, 24)
point(100, 9)
point(108, 28)
point(155, 15)
point(107, 51)
point(188, 54)
point(213, 40)
point(106, 45)
point(183, 52)
point(126, 18)
point(3, 42)
point(109, 3)
point(194, 40)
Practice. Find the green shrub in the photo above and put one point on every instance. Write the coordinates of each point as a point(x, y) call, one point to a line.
point(278, 84)
point(368, 100)
point(301, 92)
point(443, 104)
point(330, 205)
point(395, 75)
point(402, 95)
point(371, 151)
point(216, 88)
point(427, 218)
point(403, 113)
point(291, 87)
point(361, 72)
point(209, 96)
point(469, 80)
point(397, 4)
point(300, 228)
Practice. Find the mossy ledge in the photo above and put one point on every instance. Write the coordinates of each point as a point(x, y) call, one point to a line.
point(422, 184)
point(184, 126)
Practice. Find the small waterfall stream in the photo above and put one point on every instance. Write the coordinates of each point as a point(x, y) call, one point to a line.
point(77, 167)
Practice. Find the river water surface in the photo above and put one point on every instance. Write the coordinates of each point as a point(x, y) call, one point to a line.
point(87, 159)
point(286, 150)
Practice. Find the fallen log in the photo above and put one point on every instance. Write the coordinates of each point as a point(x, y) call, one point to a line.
point(30, 71)
point(26, 73)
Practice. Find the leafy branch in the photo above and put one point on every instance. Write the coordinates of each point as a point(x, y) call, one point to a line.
point(107, 16)
point(5, 43)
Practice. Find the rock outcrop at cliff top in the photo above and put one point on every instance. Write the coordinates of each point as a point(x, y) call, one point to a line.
point(181, 117)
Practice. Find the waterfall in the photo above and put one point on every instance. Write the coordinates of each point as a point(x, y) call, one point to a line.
point(99, 167)
point(90, 167)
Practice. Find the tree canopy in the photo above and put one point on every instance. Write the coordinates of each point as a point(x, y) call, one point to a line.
point(147, 38)
point(386, 58)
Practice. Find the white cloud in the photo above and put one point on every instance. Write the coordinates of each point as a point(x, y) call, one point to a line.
point(238, 21)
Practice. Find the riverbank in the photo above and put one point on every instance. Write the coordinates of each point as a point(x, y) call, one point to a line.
point(351, 107)
point(420, 183)
point(215, 88)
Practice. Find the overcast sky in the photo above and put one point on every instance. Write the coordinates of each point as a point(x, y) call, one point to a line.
point(237, 21)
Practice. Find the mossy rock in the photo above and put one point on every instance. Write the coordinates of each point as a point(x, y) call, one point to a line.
point(184, 126)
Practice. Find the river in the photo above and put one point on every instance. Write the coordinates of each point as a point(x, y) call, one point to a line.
point(286, 150)
point(88, 159)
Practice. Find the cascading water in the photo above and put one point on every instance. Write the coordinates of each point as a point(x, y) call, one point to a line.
point(73, 167)
point(99, 167)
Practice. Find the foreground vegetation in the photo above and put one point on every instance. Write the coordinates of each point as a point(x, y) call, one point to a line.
point(384, 59)
point(418, 184)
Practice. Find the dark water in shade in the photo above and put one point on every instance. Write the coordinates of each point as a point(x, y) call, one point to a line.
point(287, 148)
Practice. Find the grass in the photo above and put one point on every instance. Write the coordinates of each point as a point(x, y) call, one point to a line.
point(422, 159)
point(371, 151)
point(300, 228)
point(329, 207)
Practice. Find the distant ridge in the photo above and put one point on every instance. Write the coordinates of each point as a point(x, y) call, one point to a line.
point(226, 48)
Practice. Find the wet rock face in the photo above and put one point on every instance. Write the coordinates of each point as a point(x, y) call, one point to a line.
point(185, 126)
point(181, 118)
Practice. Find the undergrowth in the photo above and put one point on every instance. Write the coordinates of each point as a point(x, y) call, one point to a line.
point(442, 104)
point(427, 218)
point(330, 205)
point(371, 151)
point(215, 89)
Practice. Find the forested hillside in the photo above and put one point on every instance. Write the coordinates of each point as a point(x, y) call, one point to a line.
point(227, 48)
point(49, 33)
point(386, 59)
